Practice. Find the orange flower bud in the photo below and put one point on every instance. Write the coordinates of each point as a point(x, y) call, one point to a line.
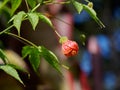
point(70, 48)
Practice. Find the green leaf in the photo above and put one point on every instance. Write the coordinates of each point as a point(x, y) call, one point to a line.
point(78, 6)
point(7, 10)
point(15, 4)
point(34, 56)
point(18, 68)
point(51, 58)
point(2, 4)
point(26, 51)
point(33, 18)
point(40, 1)
point(93, 14)
point(32, 3)
point(11, 71)
point(18, 20)
point(3, 56)
point(45, 19)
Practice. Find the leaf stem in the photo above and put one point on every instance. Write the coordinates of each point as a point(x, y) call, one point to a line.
point(67, 2)
point(27, 5)
point(87, 1)
point(21, 38)
point(6, 29)
point(64, 66)
point(57, 32)
point(35, 7)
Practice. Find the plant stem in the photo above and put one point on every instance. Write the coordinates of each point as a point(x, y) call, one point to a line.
point(64, 66)
point(63, 21)
point(67, 2)
point(56, 32)
point(21, 38)
point(6, 29)
point(27, 5)
point(35, 7)
point(87, 1)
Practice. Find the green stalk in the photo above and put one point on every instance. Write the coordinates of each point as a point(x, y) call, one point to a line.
point(57, 32)
point(87, 1)
point(35, 7)
point(48, 3)
point(5, 30)
point(27, 5)
point(21, 38)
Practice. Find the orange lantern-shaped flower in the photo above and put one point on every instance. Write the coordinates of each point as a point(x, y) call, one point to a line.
point(70, 48)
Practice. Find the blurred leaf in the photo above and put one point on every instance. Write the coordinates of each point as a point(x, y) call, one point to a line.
point(51, 58)
point(45, 19)
point(7, 10)
point(2, 4)
point(2, 46)
point(34, 56)
point(33, 18)
point(78, 6)
point(11, 71)
point(18, 20)
point(40, 1)
point(15, 4)
point(3, 56)
point(18, 68)
point(32, 3)
point(93, 14)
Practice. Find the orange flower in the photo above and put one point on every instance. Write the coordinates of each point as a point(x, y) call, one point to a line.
point(70, 48)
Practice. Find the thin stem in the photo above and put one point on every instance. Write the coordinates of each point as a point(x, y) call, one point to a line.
point(35, 7)
point(68, 24)
point(87, 1)
point(21, 38)
point(27, 5)
point(63, 21)
point(49, 1)
point(64, 66)
point(67, 2)
point(56, 32)
point(6, 29)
